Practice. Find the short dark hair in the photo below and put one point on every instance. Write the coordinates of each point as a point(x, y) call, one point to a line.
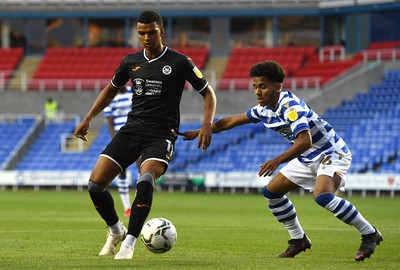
point(272, 70)
point(149, 16)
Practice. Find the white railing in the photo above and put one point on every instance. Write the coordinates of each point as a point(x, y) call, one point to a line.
point(294, 83)
point(381, 54)
point(20, 78)
point(20, 82)
point(331, 53)
point(68, 143)
point(98, 84)
point(68, 84)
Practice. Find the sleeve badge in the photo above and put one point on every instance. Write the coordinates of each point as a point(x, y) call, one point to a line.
point(292, 115)
point(197, 72)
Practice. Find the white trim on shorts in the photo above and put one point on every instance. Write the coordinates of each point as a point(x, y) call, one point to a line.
point(304, 175)
point(157, 159)
point(113, 160)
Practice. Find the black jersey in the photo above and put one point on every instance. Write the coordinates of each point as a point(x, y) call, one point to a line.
point(157, 86)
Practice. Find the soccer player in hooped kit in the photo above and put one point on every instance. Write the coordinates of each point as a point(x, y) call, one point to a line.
point(318, 159)
point(158, 75)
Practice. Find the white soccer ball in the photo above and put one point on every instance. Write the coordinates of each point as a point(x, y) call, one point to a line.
point(158, 235)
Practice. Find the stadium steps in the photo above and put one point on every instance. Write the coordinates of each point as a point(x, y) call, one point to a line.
point(27, 66)
point(73, 144)
point(217, 64)
point(29, 129)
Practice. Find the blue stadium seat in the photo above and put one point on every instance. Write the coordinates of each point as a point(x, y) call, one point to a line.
point(12, 133)
point(369, 123)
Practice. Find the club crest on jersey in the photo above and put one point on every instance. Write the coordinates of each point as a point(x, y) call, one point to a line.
point(167, 70)
point(138, 86)
point(292, 114)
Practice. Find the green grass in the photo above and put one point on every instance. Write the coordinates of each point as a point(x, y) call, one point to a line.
point(61, 230)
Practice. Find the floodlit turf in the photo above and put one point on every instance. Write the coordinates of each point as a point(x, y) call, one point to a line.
point(61, 230)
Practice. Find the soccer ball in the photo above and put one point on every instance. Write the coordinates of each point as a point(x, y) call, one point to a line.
point(158, 235)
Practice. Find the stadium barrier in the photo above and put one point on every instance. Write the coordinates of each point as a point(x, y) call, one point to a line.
point(365, 183)
point(294, 83)
point(38, 179)
point(381, 54)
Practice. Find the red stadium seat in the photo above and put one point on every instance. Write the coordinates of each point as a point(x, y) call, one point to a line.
point(9, 60)
point(67, 64)
point(241, 59)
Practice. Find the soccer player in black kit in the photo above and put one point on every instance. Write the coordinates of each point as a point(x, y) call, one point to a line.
point(158, 75)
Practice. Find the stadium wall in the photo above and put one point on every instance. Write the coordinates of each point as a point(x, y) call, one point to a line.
point(72, 102)
point(207, 181)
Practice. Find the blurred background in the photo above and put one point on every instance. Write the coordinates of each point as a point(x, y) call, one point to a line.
point(342, 57)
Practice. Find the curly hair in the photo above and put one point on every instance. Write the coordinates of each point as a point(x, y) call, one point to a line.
point(149, 16)
point(272, 70)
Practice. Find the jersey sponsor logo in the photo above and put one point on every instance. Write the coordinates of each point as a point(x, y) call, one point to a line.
point(286, 132)
point(138, 86)
point(135, 68)
point(292, 114)
point(153, 87)
point(197, 72)
point(167, 70)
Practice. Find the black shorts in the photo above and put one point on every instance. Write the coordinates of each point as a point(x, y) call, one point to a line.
point(130, 143)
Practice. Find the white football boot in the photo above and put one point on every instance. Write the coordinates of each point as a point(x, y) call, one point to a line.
point(125, 252)
point(112, 241)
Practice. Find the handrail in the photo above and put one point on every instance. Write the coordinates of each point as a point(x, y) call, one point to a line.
point(294, 83)
point(381, 54)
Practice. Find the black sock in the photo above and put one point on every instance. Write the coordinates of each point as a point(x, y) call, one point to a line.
point(140, 207)
point(104, 204)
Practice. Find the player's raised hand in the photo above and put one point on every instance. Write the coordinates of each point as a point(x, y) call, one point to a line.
point(82, 130)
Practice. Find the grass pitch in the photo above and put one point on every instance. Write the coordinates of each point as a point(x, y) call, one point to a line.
point(61, 230)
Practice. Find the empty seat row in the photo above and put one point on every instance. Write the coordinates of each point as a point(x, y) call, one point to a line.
point(60, 65)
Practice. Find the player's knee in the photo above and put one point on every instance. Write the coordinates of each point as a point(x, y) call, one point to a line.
point(324, 199)
point(146, 177)
point(269, 194)
point(94, 187)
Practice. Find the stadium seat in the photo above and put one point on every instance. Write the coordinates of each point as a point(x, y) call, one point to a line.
point(236, 73)
point(11, 135)
point(244, 148)
point(72, 68)
point(9, 60)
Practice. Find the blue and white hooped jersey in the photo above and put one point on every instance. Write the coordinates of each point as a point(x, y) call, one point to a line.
point(119, 108)
point(293, 116)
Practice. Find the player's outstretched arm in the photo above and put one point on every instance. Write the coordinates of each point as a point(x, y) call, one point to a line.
point(230, 122)
point(221, 125)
